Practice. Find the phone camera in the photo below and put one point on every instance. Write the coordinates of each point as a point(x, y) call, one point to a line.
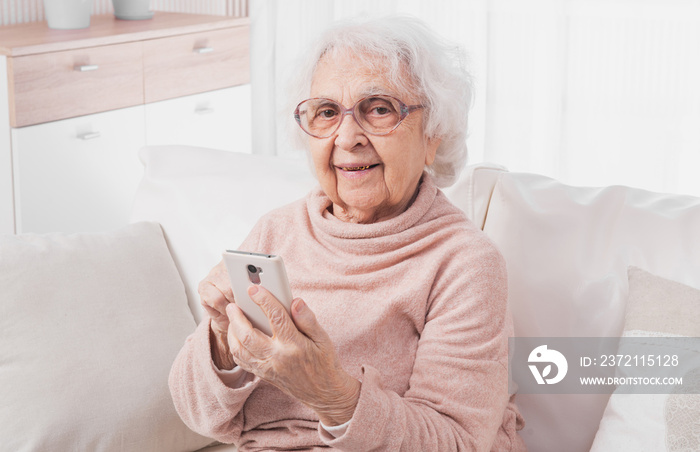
point(252, 269)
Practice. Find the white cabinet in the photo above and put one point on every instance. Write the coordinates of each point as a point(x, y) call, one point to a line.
point(218, 119)
point(79, 174)
point(76, 107)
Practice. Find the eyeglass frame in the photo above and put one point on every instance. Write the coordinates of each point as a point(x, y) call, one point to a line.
point(405, 110)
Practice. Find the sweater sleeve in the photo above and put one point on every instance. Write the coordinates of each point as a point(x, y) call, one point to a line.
point(209, 401)
point(204, 401)
point(458, 391)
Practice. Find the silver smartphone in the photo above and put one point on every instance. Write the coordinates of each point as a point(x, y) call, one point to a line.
point(266, 270)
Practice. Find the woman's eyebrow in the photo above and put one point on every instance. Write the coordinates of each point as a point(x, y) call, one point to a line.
point(376, 90)
point(369, 91)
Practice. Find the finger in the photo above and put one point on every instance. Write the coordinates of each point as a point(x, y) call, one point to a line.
point(218, 278)
point(306, 322)
point(212, 297)
point(240, 355)
point(254, 341)
point(280, 323)
point(213, 313)
point(221, 280)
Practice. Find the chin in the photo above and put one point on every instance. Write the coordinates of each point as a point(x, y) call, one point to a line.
point(361, 203)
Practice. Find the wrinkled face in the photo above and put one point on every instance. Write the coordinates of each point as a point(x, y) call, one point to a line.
point(368, 178)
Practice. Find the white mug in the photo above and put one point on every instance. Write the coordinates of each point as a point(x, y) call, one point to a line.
point(68, 14)
point(132, 9)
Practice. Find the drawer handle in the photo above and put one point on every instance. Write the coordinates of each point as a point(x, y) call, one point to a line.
point(86, 67)
point(89, 136)
point(204, 111)
point(203, 49)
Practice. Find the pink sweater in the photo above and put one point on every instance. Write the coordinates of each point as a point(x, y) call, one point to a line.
point(417, 309)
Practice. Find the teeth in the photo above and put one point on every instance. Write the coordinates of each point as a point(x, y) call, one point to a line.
point(357, 168)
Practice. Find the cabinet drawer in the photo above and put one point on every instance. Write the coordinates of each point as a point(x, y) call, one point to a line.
point(194, 63)
point(217, 119)
point(50, 86)
point(78, 174)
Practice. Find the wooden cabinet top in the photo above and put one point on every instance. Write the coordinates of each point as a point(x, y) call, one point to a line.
point(105, 29)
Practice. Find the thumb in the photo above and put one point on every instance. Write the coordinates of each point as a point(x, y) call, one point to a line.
point(305, 321)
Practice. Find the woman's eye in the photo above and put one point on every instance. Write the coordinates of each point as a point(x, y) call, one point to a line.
point(378, 107)
point(327, 113)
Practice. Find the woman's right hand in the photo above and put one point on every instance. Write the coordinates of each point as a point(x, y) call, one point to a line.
point(215, 294)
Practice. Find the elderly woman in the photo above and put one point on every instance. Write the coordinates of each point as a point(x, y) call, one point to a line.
point(398, 339)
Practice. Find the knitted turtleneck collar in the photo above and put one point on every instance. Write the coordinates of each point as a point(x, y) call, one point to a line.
point(323, 220)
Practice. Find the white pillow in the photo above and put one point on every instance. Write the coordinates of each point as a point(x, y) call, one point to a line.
point(567, 251)
point(89, 327)
point(208, 200)
point(656, 307)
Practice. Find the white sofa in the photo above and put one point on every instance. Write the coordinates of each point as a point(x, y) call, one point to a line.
point(91, 322)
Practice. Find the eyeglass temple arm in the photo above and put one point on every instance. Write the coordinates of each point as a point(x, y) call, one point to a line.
point(412, 108)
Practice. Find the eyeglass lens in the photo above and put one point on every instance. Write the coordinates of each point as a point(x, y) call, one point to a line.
point(377, 115)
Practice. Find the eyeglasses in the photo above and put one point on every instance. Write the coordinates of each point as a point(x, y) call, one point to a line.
point(376, 115)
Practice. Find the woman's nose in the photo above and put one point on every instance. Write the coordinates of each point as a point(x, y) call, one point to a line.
point(350, 135)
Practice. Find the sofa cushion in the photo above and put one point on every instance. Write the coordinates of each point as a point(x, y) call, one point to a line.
point(657, 307)
point(89, 327)
point(661, 306)
point(567, 251)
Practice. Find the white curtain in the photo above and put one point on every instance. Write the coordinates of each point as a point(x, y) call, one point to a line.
point(590, 92)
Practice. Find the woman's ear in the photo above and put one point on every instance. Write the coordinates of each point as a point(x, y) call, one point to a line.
point(431, 145)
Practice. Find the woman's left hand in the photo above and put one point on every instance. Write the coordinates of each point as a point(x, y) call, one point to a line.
point(299, 358)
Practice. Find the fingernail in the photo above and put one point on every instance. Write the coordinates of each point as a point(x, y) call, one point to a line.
point(300, 305)
point(252, 290)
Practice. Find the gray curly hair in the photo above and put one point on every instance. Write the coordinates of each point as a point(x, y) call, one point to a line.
point(437, 73)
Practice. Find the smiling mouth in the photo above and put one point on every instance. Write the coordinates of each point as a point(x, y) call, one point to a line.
point(358, 168)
